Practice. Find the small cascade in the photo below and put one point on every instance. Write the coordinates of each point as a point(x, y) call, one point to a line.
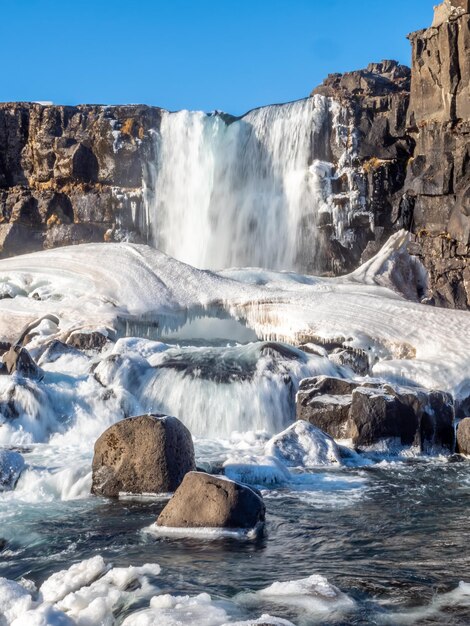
point(251, 191)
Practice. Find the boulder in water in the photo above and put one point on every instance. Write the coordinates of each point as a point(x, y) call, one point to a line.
point(11, 466)
point(463, 436)
point(373, 412)
point(205, 501)
point(18, 360)
point(146, 454)
point(303, 445)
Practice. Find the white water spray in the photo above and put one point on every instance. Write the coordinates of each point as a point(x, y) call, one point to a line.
point(246, 192)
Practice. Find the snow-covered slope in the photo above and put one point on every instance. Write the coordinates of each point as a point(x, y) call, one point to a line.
point(95, 285)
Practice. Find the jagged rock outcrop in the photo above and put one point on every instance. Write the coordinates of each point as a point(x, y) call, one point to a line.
point(377, 100)
point(71, 174)
point(438, 180)
point(371, 413)
point(413, 146)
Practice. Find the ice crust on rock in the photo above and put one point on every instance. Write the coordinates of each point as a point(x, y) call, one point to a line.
point(11, 466)
point(86, 594)
point(313, 595)
point(303, 445)
point(405, 340)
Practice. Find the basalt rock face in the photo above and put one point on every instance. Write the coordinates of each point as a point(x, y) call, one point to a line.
point(438, 179)
point(377, 100)
point(71, 174)
point(412, 150)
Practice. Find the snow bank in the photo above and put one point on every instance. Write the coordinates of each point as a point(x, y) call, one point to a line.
point(406, 341)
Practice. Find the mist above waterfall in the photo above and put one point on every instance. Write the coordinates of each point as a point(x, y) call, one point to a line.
point(229, 192)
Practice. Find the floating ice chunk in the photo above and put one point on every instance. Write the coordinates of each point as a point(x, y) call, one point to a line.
point(57, 586)
point(44, 615)
point(205, 533)
point(303, 445)
point(264, 620)
point(256, 470)
point(95, 604)
point(437, 611)
point(314, 595)
point(167, 610)
point(14, 601)
point(11, 466)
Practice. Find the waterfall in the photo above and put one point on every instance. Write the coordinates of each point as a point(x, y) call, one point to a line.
point(247, 191)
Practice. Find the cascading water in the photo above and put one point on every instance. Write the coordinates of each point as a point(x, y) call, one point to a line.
point(243, 192)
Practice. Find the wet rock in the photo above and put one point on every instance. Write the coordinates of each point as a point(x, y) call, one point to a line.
point(356, 360)
point(325, 402)
point(87, 340)
point(372, 412)
point(303, 445)
point(463, 436)
point(54, 350)
point(205, 501)
point(11, 466)
point(18, 360)
point(375, 415)
point(146, 454)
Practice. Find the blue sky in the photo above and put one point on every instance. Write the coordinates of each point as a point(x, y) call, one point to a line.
point(198, 54)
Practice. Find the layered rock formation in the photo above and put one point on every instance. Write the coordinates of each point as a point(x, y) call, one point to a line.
point(438, 178)
point(71, 174)
point(413, 149)
point(77, 174)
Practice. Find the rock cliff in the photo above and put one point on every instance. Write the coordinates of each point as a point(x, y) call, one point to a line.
point(437, 185)
point(76, 174)
point(413, 149)
point(71, 174)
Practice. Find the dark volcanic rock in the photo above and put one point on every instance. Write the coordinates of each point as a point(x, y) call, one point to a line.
point(438, 177)
point(147, 454)
point(205, 501)
point(376, 99)
point(463, 436)
point(372, 412)
point(83, 340)
point(71, 175)
point(11, 466)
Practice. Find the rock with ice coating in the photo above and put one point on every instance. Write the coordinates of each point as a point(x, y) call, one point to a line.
point(371, 412)
point(60, 584)
point(87, 340)
point(146, 454)
point(303, 445)
point(256, 470)
point(14, 601)
point(205, 501)
point(313, 595)
point(11, 466)
point(463, 436)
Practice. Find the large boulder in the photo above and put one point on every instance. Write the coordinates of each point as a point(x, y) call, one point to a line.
point(146, 454)
point(11, 466)
point(372, 412)
point(325, 402)
point(205, 501)
point(463, 436)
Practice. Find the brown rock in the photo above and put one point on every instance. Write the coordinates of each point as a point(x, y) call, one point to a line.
point(463, 436)
point(146, 454)
point(369, 412)
point(209, 501)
